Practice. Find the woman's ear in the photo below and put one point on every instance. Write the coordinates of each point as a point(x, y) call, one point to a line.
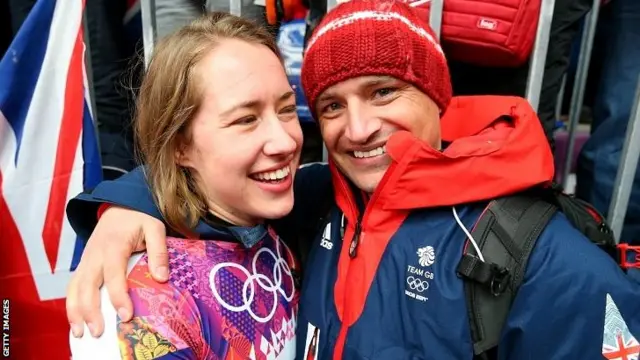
point(183, 154)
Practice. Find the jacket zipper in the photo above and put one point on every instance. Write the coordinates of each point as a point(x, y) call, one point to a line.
point(356, 240)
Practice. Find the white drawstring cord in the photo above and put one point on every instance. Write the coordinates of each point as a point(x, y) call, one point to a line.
point(473, 241)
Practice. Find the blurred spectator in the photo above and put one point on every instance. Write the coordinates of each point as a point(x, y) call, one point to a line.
point(172, 14)
point(599, 159)
point(18, 12)
point(473, 80)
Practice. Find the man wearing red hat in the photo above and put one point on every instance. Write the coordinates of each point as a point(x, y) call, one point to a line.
point(415, 174)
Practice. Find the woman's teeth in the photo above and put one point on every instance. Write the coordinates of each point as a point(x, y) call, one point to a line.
point(274, 175)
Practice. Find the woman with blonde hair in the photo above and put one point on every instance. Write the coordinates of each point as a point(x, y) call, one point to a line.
point(218, 133)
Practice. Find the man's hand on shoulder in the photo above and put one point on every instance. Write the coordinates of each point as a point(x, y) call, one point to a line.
point(119, 233)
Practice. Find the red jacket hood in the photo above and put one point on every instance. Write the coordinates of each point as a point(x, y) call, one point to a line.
point(497, 147)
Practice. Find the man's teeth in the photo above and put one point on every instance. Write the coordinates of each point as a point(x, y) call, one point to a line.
point(274, 175)
point(371, 153)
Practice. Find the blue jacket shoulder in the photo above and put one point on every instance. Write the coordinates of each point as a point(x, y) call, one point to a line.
point(129, 190)
point(562, 305)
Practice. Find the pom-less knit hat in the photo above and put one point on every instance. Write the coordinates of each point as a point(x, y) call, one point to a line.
point(375, 37)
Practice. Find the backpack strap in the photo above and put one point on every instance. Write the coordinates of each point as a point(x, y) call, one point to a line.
point(505, 233)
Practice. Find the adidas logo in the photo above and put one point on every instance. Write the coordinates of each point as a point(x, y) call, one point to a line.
point(326, 238)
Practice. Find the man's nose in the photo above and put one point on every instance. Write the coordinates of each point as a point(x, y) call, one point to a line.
point(362, 124)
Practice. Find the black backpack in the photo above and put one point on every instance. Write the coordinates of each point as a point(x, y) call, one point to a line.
point(506, 234)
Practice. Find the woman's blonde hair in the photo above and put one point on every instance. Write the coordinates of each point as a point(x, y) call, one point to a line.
point(169, 98)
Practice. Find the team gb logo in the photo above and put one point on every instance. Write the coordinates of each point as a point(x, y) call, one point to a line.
point(427, 256)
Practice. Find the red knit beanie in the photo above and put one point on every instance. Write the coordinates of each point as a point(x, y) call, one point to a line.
point(375, 37)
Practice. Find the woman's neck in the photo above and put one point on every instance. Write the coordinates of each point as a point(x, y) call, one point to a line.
point(232, 217)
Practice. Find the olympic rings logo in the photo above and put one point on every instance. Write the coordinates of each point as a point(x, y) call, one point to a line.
point(417, 284)
point(273, 286)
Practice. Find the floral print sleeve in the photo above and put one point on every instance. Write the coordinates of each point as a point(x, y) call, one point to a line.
point(167, 323)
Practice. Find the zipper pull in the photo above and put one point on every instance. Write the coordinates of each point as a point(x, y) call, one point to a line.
point(353, 249)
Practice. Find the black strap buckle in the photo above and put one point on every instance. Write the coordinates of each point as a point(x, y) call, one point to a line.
point(499, 280)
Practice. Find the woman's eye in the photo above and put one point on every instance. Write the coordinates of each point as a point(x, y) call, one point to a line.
point(290, 109)
point(245, 120)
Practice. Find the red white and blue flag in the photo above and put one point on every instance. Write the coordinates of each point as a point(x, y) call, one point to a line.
point(617, 341)
point(48, 154)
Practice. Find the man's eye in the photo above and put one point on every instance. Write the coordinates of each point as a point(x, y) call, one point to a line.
point(331, 107)
point(384, 92)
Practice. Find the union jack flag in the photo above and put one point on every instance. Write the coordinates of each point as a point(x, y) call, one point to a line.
point(623, 349)
point(48, 154)
point(617, 341)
